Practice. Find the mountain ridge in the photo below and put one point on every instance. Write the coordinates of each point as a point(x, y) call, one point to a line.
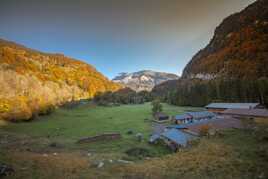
point(241, 40)
point(233, 67)
point(143, 80)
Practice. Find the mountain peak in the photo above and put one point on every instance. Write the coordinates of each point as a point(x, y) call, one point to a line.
point(144, 79)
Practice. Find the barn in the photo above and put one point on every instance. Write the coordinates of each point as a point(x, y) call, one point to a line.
point(252, 113)
point(219, 107)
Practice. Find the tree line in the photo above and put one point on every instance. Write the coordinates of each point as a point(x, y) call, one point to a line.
point(122, 96)
point(197, 92)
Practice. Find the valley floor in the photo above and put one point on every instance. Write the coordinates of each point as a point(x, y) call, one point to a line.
point(47, 148)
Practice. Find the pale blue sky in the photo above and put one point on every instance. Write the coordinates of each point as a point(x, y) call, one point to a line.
point(117, 35)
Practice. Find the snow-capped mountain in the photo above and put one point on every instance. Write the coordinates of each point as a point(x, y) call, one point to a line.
point(143, 80)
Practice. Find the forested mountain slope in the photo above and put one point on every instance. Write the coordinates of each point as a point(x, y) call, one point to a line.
point(233, 67)
point(32, 82)
point(239, 47)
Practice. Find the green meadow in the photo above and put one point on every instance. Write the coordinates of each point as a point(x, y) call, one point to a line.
point(66, 126)
point(27, 147)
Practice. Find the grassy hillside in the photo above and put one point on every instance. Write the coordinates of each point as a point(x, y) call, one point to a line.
point(234, 154)
point(32, 81)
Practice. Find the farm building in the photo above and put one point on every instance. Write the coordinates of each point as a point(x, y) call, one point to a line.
point(213, 125)
point(191, 117)
point(182, 119)
point(175, 138)
point(254, 113)
point(201, 115)
point(161, 117)
point(219, 107)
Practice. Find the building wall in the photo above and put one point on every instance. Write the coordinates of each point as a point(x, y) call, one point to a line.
point(216, 110)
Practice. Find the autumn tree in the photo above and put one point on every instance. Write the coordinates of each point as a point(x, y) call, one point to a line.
point(204, 130)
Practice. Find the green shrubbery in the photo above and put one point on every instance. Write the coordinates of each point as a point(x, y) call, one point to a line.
point(122, 96)
point(156, 106)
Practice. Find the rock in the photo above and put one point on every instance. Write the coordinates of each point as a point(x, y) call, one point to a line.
point(139, 136)
point(100, 165)
point(45, 155)
point(89, 154)
point(24, 168)
point(5, 170)
point(111, 161)
point(125, 161)
point(97, 164)
point(55, 154)
point(262, 175)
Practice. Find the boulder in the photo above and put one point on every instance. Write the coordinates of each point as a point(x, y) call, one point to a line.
point(5, 170)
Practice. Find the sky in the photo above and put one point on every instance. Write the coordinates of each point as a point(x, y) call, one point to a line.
point(117, 35)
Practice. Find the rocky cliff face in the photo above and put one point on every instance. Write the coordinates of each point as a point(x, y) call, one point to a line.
point(143, 80)
point(239, 47)
point(32, 81)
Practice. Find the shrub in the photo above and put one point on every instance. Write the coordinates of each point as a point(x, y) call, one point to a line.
point(46, 110)
point(4, 106)
point(157, 106)
point(204, 130)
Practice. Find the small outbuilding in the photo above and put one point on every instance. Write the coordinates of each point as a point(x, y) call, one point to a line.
point(161, 117)
point(182, 119)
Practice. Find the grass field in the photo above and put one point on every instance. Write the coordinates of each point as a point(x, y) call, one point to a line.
point(66, 126)
point(27, 147)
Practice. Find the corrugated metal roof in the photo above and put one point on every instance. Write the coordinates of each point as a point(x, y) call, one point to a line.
point(201, 114)
point(160, 114)
point(220, 124)
point(232, 105)
point(178, 126)
point(182, 117)
point(186, 126)
point(247, 112)
point(216, 123)
point(177, 136)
